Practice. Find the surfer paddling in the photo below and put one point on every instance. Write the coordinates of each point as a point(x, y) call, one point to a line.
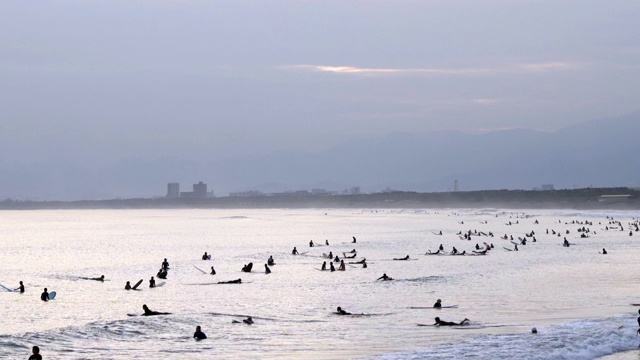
point(236, 281)
point(149, 312)
point(340, 311)
point(404, 258)
point(450, 323)
point(384, 277)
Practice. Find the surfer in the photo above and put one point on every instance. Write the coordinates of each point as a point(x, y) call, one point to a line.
point(266, 269)
point(127, 286)
point(534, 330)
point(271, 262)
point(149, 312)
point(311, 243)
point(199, 335)
point(331, 267)
point(342, 266)
point(236, 281)
point(330, 256)
point(454, 251)
point(205, 257)
point(152, 282)
point(337, 259)
point(326, 242)
point(324, 266)
point(449, 323)
point(384, 277)
point(515, 247)
point(248, 267)
point(21, 288)
point(165, 264)
point(213, 271)
point(294, 251)
point(364, 265)
point(348, 257)
point(35, 353)
point(438, 304)
point(248, 320)
point(404, 258)
point(441, 248)
point(433, 253)
point(162, 274)
point(565, 243)
point(604, 251)
point(340, 311)
point(45, 295)
point(101, 278)
point(354, 240)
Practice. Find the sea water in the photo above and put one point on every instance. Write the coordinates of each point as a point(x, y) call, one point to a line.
point(578, 299)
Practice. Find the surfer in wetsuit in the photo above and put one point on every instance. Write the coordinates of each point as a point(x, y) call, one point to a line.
point(162, 274)
point(199, 335)
point(294, 251)
point(266, 269)
point(127, 286)
point(311, 243)
point(237, 281)
point(21, 287)
point(364, 265)
point(324, 266)
point(354, 240)
point(604, 252)
point(165, 264)
point(565, 243)
point(248, 320)
point(340, 311)
point(454, 251)
point(342, 266)
point(101, 278)
point(384, 277)
point(205, 257)
point(331, 267)
point(326, 242)
point(35, 354)
point(404, 258)
point(149, 312)
point(449, 323)
point(271, 262)
point(152, 282)
point(438, 304)
point(45, 295)
point(441, 248)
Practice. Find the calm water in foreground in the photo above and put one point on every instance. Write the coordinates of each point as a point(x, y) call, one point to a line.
point(578, 299)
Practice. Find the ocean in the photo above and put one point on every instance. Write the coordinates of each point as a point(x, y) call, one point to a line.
point(578, 299)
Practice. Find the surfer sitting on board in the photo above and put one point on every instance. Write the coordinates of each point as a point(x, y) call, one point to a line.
point(342, 266)
point(162, 274)
point(236, 281)
point(294, 251)
point(604, 252)
point(331, 267)
point(311, 243)
point(149, 312)
point(565, 243)
point(337, 259)
point(205, 256)
point(271, 262)
point(165, 264)
point(326, 242)
point(213, 271)
point(199, 335)
point(45, 295)
point(342, 312)
point(404, 258)
point(152, 282)
point(21, 288)
point(266, 269)
point(324, 266)
point(384, 277)
point(449, 323)
point(128, 286)
point(438, 304)
point(454, 251)
point(354, 240)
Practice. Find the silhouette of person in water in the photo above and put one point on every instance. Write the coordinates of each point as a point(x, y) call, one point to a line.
point(199, 335)
point(21, 287)
point(35, 354)
point(45, 295)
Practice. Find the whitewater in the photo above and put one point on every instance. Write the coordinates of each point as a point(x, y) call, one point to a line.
point(578, 299)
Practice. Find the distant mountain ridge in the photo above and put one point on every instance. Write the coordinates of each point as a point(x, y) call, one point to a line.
point(599, 153)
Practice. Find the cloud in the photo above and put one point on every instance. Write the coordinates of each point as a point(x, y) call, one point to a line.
point(479, 71)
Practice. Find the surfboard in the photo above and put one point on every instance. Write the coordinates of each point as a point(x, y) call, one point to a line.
point(6, 288)
point(202, 271)
point(431, 307)
point(135, 287)
point(161, 284)
point(52, 295)
point(507, 249)
point(133, 315)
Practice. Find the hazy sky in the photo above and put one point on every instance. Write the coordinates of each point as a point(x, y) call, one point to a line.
point(97, 81)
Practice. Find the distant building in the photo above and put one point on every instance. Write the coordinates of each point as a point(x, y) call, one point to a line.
point(199, 192)
point(173, 190)
point(455, 186)
point(547, 187)
point(354, 190)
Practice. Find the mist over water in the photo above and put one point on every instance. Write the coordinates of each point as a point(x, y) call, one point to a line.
point(577, 298)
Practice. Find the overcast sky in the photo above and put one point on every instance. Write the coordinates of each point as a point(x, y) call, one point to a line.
point(98, 81)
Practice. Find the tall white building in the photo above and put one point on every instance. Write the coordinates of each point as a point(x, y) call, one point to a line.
point(173, 190)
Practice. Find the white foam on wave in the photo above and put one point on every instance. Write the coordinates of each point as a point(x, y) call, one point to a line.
point(588, 339)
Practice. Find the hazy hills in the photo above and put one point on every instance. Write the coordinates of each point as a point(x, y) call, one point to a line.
point(599, 153)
